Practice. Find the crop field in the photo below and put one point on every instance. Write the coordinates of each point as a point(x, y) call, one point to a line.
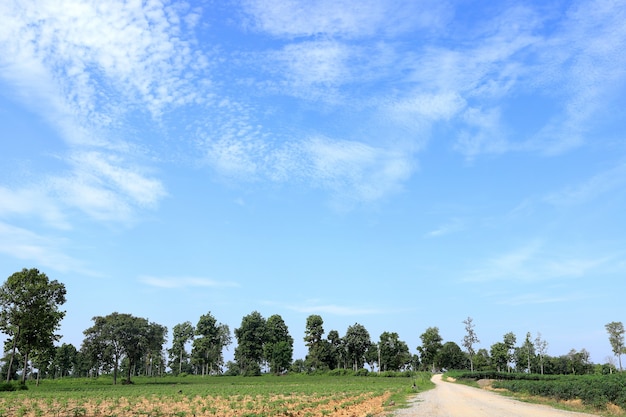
point(292, 395)
point(600, 392)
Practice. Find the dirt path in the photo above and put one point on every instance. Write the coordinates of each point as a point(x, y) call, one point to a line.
point(452, 400)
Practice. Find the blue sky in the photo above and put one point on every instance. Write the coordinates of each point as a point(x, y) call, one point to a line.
point(397, 164)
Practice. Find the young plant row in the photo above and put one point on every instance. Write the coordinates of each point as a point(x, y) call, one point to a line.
point(218, 396)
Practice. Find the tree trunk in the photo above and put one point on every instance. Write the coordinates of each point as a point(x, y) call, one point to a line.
point(13, 354)
point(25, 367)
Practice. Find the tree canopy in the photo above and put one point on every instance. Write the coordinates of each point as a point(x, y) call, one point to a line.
point(118, 336)
point(30, 313)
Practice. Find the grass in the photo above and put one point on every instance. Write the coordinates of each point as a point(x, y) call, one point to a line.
point(291, 395)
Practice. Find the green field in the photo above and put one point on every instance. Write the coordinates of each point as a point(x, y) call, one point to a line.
point(291, 395)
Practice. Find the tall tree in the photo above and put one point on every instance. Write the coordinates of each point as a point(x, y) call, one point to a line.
point(335, 348)
point(525, 357)
point(30, 313)
point(541, 348)
point(469, 340)
point(431, 345)
point(393, 352)
point(313, 338)
point(357, 340)
point(155, 337)
point(616, 338)
point(278, 348)
point(181, 334)
point(251, 337)
point(509, 340)
point(211, 338)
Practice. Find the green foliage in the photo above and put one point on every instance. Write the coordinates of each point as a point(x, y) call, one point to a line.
point(251, 337)
point(357, 341)
point(594, 390)
point(8, 386)
point(429, 349)
point(30, 314)
point(122, 336)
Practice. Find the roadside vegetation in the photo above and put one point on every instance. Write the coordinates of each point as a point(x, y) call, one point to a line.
point(594, 392)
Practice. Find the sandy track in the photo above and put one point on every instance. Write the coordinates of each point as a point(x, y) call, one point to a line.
point(452, 400)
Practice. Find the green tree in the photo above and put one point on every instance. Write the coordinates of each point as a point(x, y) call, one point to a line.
point(616, 338)
point(153, 355)
point(500, 356)
point(482, 361)
point(278, 348)
point(313, 338)
point(525, 355)
point(469, 340)
point(65, 360)
point(541, 348)
point(251, 337)
point(509, 340)
point(452, 357)
point(30, 313)
point(579, 363)
point(394, 353)
point(119, 336)
point(357, 340)
point(208, 346)
point(335, 348)
point(372, 356)
point(181, 334)
point(431, 344)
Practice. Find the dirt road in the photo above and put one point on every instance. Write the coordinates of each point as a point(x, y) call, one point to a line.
point(452, 400)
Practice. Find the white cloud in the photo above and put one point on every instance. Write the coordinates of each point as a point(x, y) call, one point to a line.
point(100, 185)
point(24, 244)
point(307, 65)
point(591, 189)
point(533, 262)
point(342, 18)
point(584, 65)
point(184, 282)
point(452, 226)
point(539, 298)
point(32, 201)
point(335, 309)
point(353, 170)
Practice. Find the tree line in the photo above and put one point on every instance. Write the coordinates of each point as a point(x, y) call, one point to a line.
point(122, 344)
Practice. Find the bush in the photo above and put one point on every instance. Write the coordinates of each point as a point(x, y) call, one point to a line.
point(7, 386)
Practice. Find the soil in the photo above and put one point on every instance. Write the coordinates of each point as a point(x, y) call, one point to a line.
point(451, 400)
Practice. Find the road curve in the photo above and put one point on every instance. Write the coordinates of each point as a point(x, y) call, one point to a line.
point(452, 400)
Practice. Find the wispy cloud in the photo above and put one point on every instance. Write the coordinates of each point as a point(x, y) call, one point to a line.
point(452, 226)
point(293, 18)
point(338, 310)
point(46, 251)
point(583, 63)
point(185, 282)
point(85, 84)
point(32, 201)
point(533, 262)
point(540, 298)
point(590, 189)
